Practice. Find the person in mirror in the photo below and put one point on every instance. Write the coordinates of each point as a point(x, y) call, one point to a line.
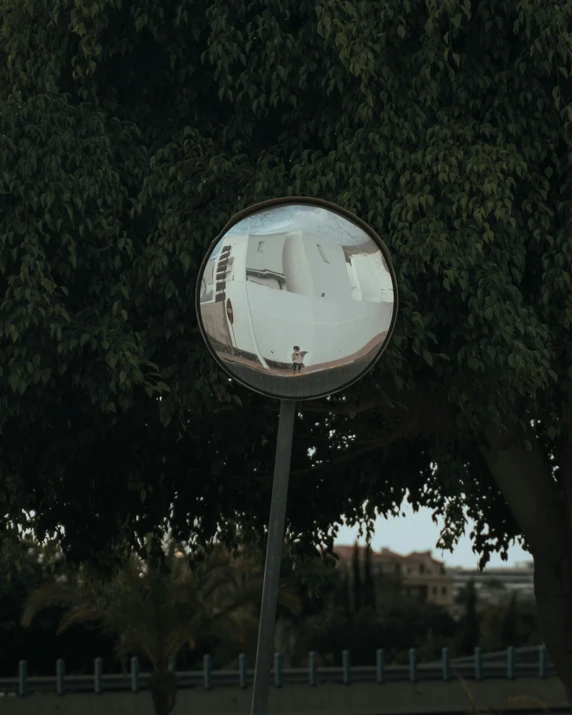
point(298, 358)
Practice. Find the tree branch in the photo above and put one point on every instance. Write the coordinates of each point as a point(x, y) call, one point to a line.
point(346, 407)
point(354, 454)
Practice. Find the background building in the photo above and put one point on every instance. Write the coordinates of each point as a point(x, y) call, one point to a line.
point(496, 585)
point(422, 577)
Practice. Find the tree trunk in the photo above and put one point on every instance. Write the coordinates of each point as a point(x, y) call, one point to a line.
point(163, 686)
point(525, 480)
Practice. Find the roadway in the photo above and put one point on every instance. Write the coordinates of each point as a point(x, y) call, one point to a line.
point(394, 698)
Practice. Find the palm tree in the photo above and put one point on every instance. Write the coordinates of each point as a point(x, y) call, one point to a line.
point(156, 606)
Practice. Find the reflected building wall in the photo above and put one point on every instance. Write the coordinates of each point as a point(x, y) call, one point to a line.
point(264, 260)
point(318, 312)
point(297, 271)
point(207, 282)
point(315, 268)
point(330, 330)
point(282, 320)
point(370, 277)
point(242, 329)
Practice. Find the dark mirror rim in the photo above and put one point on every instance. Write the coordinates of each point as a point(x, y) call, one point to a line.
point(318, 203)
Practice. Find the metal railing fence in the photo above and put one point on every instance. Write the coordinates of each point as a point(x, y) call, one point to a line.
point(513, 663)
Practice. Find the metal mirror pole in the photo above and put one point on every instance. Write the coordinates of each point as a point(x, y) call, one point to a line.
point(273, 558)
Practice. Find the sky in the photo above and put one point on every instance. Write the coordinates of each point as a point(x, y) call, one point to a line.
point(417, 532)
point(299, 218)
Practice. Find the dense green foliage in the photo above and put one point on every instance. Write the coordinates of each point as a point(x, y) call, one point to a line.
point(524, 630)
point(131, 132)
point(495, 626)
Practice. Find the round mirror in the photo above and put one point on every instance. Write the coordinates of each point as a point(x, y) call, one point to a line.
point(296, 298)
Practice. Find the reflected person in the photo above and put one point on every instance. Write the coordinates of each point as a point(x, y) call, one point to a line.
point(298, 358)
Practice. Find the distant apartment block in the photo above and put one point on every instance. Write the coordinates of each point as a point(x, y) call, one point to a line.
point(422, 577)
point(427, 579)
point(496, 584)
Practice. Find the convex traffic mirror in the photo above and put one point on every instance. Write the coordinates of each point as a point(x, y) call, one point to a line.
point(297, 298)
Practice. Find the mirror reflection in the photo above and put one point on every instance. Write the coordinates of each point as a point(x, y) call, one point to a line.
point(296, 301)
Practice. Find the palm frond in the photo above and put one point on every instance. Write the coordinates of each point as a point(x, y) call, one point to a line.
point(48, 596)
point(251, 594)
point(185, 632)
point(80, 614)
point(133, 643)
point(235, 623)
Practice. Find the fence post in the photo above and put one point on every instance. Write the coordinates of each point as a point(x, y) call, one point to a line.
point(510, 663)
point(22, 676)
point(242, 670)
point(478, 663)
point(207, 667)
point(134, 674)
point(446, 664)
point(312, 669)
point(542, 662)
point(60, 675)
point(346, 666)
point(97, 675)
point(380, 665)
point(278, 670)
point(413, 665)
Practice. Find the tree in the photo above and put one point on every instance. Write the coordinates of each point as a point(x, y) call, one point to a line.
point(368, 582)
point(509, 627)
point(490, 628)
point(446, 125)
point(155, 608)
point(357, 580)
point(345, 595)
point(468, 634)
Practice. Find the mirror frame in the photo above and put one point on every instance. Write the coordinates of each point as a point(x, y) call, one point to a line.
point(318, 203)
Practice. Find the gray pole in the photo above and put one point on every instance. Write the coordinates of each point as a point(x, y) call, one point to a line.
point(273, 557)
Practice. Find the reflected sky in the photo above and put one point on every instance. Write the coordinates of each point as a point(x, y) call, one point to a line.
point(299, 217)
